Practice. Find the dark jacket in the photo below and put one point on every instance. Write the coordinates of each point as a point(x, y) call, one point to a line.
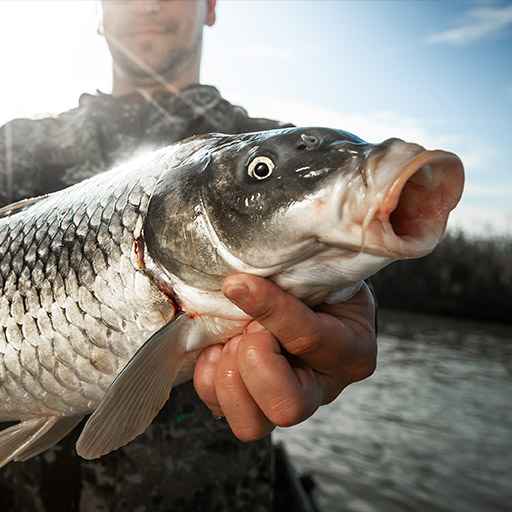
point(187, 460)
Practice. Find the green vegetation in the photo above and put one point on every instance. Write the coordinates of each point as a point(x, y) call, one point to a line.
point(464, 277)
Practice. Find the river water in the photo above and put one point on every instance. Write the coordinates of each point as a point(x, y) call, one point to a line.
point(431, 430)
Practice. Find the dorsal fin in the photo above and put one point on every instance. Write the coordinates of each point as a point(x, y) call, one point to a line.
point(19, 206)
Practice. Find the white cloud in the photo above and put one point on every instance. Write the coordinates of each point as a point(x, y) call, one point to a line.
point(476, 24)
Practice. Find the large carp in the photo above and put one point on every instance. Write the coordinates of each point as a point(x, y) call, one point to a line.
point(110, 288)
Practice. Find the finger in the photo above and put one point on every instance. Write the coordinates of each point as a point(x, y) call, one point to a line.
point(286, 395)
point(323, 342)
point(361, 308)
point(358, 318)
point(245, 418)
point(204, 377)
point(282, 314)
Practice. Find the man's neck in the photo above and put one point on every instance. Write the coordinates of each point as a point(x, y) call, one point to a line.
point(123, 84)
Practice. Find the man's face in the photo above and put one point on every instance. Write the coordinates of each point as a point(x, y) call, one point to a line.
point(155, 36)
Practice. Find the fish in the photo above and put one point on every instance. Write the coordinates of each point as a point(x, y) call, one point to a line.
point(109, 289)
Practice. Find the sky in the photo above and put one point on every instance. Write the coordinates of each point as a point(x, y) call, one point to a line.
point(433, 72)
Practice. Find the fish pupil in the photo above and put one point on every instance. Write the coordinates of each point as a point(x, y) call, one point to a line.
point(262, 170)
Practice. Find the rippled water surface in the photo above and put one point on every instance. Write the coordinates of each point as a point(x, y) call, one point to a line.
point(430, 431)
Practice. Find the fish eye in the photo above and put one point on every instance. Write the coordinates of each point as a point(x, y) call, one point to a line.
point(260, 167)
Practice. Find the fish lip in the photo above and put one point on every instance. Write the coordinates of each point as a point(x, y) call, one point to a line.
point(410, 236)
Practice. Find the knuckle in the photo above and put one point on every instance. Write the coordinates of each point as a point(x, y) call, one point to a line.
point(371, 367)
point(251, 355)
point(202, 386)
point(365, 369)
point(287, 412)
point(207, 394)
point(305, 345)
point(215, 408)
point(248, 433)
point(263, 308)
point(253, 346)
point(267, 302)
point(228, 379)
point(332, 394)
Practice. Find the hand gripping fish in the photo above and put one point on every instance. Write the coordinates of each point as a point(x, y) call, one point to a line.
point(109, 289)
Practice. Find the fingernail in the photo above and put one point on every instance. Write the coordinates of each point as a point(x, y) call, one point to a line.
point(213, 354)
point(237, 293)
point(254, 327)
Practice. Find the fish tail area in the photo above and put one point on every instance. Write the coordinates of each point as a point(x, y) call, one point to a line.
point(137, 394)
point(32, 437)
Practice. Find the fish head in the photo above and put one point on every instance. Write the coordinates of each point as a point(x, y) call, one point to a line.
point(284, 195)
point(312, 208)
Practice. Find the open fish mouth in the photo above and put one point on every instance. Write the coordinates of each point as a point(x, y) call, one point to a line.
point(415, 208)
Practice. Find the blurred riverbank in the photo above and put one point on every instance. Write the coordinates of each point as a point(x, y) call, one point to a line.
point(431, 430)
point(464, 277)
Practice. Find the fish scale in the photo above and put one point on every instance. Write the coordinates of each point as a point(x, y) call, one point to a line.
point(70, 295)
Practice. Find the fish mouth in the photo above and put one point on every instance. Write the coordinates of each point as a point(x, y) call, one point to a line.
point(415, 208)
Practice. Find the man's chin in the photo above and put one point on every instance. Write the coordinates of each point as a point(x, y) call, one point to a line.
point(145, 64)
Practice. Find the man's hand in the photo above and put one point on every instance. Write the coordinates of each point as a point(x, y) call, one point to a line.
point(289, 361)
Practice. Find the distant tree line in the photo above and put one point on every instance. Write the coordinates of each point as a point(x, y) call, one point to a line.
point(464, 277)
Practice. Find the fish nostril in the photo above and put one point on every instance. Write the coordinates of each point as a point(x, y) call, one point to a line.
point(308, 142)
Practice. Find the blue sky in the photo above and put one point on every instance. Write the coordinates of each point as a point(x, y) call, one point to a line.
point(434, 72)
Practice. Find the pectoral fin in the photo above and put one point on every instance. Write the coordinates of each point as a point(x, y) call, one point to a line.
point(32, 437)
point(138, 393)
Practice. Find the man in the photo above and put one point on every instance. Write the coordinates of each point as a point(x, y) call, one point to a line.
point(188, 459)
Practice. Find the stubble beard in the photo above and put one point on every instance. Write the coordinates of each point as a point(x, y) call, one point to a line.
point(168, 70)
